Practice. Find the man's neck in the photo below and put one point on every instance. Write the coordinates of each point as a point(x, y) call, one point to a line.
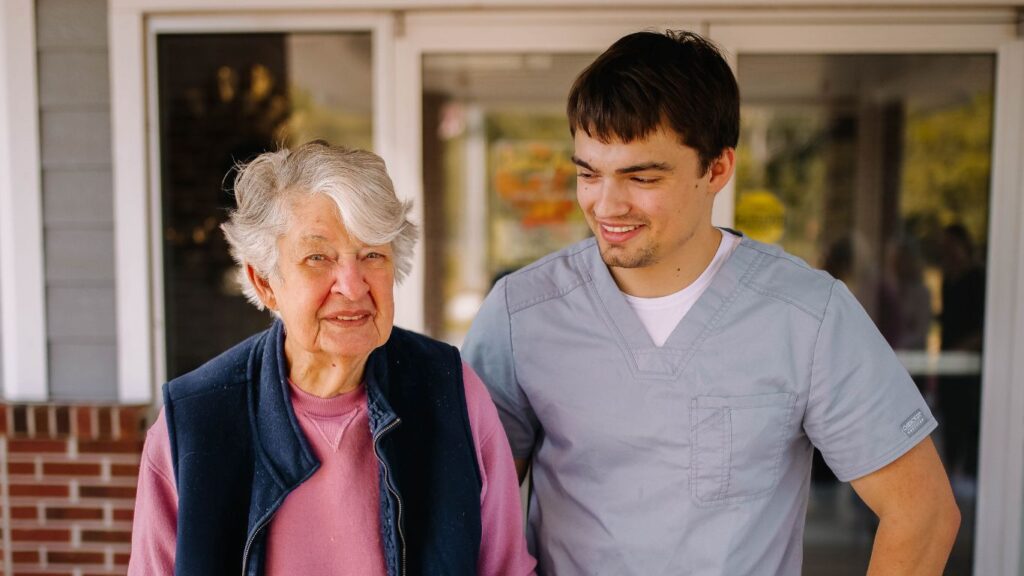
point(672, 273)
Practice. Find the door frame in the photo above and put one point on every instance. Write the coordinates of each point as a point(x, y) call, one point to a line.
point(142, 354)
point(999, 539)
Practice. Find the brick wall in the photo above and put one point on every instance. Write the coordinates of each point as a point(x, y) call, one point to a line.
point(68, 476)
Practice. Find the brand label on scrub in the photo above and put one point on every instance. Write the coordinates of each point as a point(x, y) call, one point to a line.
point(914, 423)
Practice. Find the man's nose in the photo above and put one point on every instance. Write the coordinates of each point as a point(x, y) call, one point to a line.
point(612, 200)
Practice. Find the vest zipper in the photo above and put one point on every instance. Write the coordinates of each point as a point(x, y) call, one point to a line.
point(248, 543)
point(263, 524)
point(390, 487)
point(387, 482)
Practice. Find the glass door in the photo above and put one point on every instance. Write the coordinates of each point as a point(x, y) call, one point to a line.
point(867, 149)
point(874, 162)
point(499, 182)
point(876, 168)
point(227, 90)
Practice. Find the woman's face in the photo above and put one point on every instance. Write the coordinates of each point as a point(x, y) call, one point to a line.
point(335, 295)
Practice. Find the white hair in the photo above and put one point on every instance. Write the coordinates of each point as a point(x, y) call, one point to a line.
point(356, 180)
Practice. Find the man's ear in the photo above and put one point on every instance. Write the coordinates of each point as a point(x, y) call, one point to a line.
point(721, 170)
point(262, 286)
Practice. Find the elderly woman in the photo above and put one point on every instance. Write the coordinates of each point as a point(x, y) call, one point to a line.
point(332, 443)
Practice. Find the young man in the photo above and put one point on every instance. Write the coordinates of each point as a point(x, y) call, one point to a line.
point(667, 379)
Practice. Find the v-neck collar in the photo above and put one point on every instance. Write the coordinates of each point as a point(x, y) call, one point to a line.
point(646, 359)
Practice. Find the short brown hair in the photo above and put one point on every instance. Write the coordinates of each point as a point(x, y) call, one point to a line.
point(646, 79)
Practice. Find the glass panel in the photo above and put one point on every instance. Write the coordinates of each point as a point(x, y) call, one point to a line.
point(224, 98)
point(876, 168)
point(500, 186)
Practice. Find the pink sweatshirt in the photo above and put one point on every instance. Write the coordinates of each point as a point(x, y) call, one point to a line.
point(331, 523)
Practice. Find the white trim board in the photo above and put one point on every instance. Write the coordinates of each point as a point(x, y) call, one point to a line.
point(130, 166)
point(846, 38)
point(221, 5)
point(22, 282)
point(997, 543)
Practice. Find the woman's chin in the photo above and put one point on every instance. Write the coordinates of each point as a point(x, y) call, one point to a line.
point(351, 345)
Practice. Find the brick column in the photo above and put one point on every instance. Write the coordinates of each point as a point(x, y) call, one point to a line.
point(70, 483)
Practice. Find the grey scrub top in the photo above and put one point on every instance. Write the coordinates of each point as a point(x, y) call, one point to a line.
point(692, 458)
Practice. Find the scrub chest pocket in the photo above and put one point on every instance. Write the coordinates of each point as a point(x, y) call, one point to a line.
point(737, 443)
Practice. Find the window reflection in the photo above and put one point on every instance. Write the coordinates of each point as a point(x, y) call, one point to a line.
point(223, 99)
point(876, 168)
point(500, 186)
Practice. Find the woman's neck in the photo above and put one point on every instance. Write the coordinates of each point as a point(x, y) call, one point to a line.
point(324, 377)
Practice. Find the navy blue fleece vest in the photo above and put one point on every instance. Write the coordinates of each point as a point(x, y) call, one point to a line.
point(238, 451)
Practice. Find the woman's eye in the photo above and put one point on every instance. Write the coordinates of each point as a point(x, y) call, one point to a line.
point(316, 258)
point(374, 255)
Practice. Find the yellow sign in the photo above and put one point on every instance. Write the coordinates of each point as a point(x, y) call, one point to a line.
point(761, 215)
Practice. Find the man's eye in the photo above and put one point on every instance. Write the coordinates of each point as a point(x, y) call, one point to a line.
point(584, 175)
point(642, 180)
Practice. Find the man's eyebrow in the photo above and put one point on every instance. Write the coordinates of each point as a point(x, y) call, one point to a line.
point(582, 164)
point(658, 166)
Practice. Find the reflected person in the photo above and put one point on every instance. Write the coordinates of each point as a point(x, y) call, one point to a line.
point(962, 320)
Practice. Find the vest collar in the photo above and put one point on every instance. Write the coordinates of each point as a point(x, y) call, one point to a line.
point(282, 450)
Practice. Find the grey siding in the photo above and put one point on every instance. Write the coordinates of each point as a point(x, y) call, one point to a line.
point(78, 213)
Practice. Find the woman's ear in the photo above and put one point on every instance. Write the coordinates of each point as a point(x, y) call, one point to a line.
point(262, 287)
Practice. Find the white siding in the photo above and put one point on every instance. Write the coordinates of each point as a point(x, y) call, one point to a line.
point(74, 101)
point(74, 138)
point(72, 23)
point(82, 315)
point(80, 196)
point(74, 79)
point(82, 371)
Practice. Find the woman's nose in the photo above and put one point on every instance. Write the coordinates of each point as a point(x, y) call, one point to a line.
point(349, 280)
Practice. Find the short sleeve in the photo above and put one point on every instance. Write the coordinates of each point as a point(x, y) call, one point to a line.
point(488, 349)
point(863, 409)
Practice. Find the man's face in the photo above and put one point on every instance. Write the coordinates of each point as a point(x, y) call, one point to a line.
point(645, 200)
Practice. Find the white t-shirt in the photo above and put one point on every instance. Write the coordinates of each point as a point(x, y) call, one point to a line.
point(661, 315)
